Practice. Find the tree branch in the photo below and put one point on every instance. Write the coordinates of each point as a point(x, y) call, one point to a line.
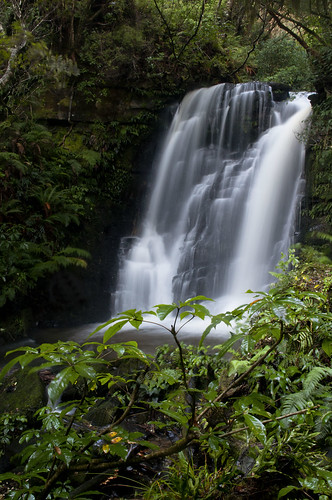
point(244, 375)
point(13, 54)
point(63, 467)
point(168, 29)
point(261, 33)
point(108, 467)
point(298, 38)
point(269, 420)
point(195, 32)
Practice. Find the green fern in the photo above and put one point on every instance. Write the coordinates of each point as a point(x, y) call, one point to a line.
point(312, 390)
point(12, 159)
point(323, 425)
point(314, 377)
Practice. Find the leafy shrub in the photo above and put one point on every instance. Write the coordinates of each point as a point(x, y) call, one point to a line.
point(280, 59)
point(234, 421)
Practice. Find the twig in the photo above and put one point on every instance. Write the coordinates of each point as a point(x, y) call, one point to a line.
point(261, 33)
point(245, 374)
point(63, 467)
point(269, 420)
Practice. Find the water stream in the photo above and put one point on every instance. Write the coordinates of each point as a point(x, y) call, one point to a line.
point(224, 205)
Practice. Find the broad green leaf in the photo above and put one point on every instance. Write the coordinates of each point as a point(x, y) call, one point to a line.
point(195, 299)
point(238, 366)
point(61, 381)
point(8, 366)
point(66, 455)
point(51, 422)
point(224, 348)
point(126, 315)
point(200, 311)
point(164, 407)
point(256, 426)
point(153, 313)
point(185, 314)
point(110, 332)
point(181, 419)
point(327, 347)
point(136, 322)
point(119, 449)
point(85, 370)
point(214, 443)
point(147, 444)
point(284, 491)
point(163, 310)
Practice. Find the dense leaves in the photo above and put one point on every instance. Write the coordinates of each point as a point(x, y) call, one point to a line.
point(240, 417)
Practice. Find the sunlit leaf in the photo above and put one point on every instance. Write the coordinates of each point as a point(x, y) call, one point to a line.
point(110, 332)
point(61, 382)
point(163, 310)
point(256, 426)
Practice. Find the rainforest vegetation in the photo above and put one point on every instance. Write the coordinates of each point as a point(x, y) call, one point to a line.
point(82, 85)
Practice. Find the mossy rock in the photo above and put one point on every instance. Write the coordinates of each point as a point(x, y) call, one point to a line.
point(102, 414)
point(22, 392)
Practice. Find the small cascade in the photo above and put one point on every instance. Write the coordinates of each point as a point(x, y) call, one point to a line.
point(224, 202)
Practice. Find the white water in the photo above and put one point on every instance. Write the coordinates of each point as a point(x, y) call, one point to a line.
point(224, 202)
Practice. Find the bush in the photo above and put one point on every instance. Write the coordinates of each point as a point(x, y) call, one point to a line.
point(233, 422)
point(280, 59)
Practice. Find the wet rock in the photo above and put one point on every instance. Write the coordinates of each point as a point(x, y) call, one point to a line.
point(280, 91)
point(22, 392)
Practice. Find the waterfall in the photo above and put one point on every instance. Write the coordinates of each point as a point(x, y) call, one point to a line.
point(224, 201)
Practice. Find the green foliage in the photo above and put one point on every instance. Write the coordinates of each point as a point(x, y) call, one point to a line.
point(273, 395)
point(280, 59)
point(184, 481)
point(40, 206)
point(319, 175)
point(11, 425)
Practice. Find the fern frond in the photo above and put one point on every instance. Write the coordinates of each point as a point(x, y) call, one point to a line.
point(323, 424)
point(63, 218)
point(79, 252)
point(311, 390)
point(294, 402)
point(13, 159)
point(312, 381)
point(323, 236)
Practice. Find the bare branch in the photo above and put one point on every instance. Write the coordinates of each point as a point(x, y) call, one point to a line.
point(168, 29)
point(199, 22)
point(260, 34)
point(13, 54)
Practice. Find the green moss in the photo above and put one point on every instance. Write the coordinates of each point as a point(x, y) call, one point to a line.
point(22, 392)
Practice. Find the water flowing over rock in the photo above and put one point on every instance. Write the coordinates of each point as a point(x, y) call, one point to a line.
point(225, 200)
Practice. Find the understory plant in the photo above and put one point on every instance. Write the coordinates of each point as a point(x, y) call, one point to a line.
point(251, 414)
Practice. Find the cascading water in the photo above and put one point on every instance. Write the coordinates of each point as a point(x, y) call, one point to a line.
point(224, 202)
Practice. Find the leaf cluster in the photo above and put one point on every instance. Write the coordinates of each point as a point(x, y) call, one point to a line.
point(259, 404)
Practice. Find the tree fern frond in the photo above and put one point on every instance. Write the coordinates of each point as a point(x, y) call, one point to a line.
point(63, 218)
point(323, 236)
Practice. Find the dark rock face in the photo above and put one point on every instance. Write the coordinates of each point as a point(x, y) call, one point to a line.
point(66, 105)
point(280, 91)
point(13, 395)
